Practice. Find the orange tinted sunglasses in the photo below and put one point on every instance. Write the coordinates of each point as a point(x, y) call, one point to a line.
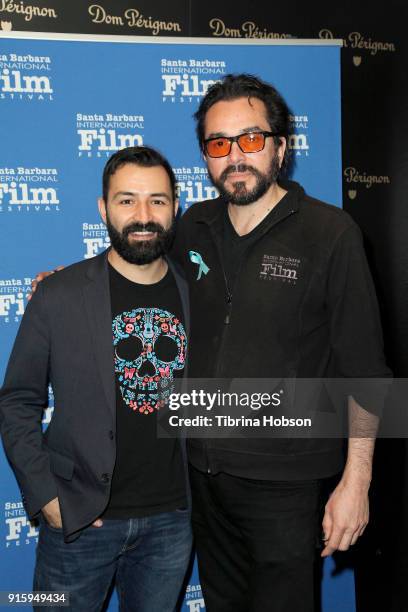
point(250, 142)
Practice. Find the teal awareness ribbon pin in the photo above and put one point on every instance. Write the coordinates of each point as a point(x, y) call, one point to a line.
point(197, 259)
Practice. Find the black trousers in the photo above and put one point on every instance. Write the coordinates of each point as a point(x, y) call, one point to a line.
point(256, 542)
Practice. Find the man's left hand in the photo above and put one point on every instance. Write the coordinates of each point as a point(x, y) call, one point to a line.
point(346, 516)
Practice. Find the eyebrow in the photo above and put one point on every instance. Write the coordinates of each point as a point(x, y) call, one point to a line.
point(135, 193)
point(253, 128)
point(160, 194)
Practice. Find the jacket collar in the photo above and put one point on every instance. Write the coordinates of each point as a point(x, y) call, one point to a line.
point(99, 312)
point(212, 211)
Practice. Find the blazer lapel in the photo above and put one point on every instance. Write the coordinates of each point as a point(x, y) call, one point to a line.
point(183, 290)
point(99, 313)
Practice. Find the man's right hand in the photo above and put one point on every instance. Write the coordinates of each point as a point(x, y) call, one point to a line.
point(52, 513)
point(40, 277)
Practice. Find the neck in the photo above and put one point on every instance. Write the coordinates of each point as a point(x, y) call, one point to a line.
point(146, 274)
point(245, 218)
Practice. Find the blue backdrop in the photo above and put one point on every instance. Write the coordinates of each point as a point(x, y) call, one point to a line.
point(65, 107)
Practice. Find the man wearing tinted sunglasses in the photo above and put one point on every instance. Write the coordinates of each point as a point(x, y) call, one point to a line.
point(277, 283)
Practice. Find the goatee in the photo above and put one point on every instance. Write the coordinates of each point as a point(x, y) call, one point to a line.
point(141, 252)
point(239, 194)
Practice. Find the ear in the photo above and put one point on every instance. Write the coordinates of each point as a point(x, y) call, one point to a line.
point(102, 209)
point(282, 149)
point(176, 206)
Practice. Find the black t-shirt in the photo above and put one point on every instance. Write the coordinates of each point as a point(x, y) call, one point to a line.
point(150, 349)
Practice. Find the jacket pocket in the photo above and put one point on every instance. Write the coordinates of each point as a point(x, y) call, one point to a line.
point(61, 465)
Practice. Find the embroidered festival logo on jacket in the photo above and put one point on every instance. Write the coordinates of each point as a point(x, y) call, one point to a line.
point(277, 267)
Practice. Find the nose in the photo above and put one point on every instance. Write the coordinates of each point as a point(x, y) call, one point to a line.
point(143, 212)
point(236, 155)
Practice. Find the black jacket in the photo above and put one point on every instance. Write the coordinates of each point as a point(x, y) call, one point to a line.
point(303, 306)
point(65, 338)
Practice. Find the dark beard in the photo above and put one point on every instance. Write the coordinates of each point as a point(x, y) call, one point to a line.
point(141, 252)
point(240, 195)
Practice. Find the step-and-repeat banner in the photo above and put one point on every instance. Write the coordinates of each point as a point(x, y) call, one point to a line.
point(65, 107)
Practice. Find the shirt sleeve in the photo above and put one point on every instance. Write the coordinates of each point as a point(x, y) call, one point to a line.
point(355, 328)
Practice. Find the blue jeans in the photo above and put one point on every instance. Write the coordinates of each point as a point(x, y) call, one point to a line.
point(147, 558)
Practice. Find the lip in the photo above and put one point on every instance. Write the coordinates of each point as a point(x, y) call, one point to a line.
point(142, 235)
point(239, 174)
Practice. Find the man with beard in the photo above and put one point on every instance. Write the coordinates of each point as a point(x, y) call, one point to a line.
point(109, 335)
point(279, 288)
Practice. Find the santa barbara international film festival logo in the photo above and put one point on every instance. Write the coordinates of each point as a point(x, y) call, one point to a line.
point(100, 135)
point(19, 529)
point(298, 141)
point(95, 238)
point(188, 80)
point(29, 190)
point(26, 77)
point(193, 185)
point(13, 298)
point(194, 601)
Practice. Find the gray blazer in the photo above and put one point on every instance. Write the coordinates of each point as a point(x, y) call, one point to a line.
point(65, 338)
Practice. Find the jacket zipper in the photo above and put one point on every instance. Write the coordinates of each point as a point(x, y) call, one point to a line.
point(227, 319)
point(208, 443)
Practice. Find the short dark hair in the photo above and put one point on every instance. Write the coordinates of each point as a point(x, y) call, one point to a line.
point(234, 86)
point(146, 157)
